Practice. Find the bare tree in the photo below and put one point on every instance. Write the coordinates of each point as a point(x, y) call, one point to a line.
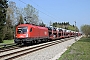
point(31, 14)
point(14, 12)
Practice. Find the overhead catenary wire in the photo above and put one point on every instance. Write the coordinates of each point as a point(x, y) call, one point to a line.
point(40, 10)
point(43, 9)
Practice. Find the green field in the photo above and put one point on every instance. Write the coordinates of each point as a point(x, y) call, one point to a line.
point(78, 51)
point(7, 42)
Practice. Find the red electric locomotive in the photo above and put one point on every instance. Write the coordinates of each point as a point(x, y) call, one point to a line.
point(27, 33)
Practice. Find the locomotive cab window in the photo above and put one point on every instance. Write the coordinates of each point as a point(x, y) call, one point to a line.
point(31, 30)
point(22, 30)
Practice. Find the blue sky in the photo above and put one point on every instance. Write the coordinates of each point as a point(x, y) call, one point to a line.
point(60, 10)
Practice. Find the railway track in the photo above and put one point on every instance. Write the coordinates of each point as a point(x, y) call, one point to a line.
point(8, 47)
point(23, 51)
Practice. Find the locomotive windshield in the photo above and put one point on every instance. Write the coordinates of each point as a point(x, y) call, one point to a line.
point(22, 30)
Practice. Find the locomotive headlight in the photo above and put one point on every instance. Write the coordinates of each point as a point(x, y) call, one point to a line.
point(26, 35)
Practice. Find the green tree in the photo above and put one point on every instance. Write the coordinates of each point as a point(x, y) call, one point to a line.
point(20, 20)
point(85, 29)
point(75, 28)
point(55, 24)
point(68, 23)
point(3, 9)
point(64, 23)
point(42, 24)
point(9, 29)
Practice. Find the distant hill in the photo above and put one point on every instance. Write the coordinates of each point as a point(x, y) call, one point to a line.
point(65, 25)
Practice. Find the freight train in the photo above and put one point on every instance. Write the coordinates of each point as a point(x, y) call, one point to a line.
point(29, 33)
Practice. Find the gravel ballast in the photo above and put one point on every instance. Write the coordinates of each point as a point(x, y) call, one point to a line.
point(49, 53)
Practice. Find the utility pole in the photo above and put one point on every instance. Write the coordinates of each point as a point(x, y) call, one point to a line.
point(75, 30)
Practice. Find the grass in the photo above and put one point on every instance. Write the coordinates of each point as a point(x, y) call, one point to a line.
point(7, 42)
point(78, 51)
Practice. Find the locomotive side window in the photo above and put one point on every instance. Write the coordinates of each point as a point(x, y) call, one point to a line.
point(22, 30)
point(31, 30)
